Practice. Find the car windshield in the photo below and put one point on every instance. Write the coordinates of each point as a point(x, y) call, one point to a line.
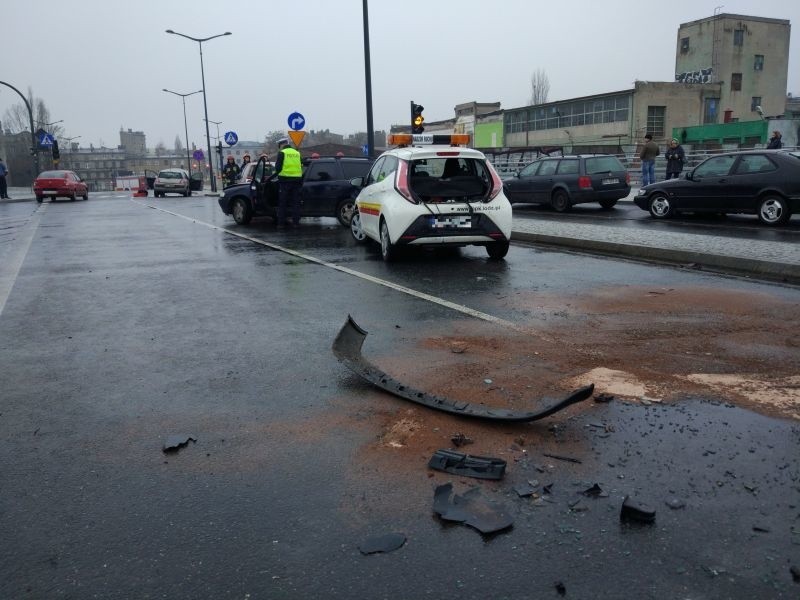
point(169, 175)
point(603, 164)
point(53, 175)
point(445, 168)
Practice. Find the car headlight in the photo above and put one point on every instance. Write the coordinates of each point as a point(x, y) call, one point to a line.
point(641, 192)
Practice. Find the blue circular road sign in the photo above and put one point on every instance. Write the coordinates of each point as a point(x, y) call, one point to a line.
point(231, 138)
point(296, 121)
point(198, 155)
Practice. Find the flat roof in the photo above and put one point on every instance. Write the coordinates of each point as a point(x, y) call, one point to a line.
point(736, 17)
point(576, 99)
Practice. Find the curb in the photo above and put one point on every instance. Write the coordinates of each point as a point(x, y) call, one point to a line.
point(786, 273)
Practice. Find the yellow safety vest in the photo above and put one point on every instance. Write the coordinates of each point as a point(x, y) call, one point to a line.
point(292, 166)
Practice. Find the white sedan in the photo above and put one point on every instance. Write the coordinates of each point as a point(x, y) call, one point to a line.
point(431, 194)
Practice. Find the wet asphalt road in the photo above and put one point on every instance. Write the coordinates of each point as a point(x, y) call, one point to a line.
point(126, 324)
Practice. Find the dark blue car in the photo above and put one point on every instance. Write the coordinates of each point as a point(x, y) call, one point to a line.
point(327, 191)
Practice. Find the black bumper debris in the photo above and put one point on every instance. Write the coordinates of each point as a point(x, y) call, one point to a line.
point(175, 442)
point(471, 509)
point(382, 543)
point(347, 348)
point(458, 463)
point(635, 511)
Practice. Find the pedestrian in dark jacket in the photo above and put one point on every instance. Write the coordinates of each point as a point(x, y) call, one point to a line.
point(230, 172)
point(676, 157)
point(648, 156)
point(775, 142)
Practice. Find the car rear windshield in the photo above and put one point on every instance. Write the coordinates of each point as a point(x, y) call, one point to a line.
point(169, 175)
point(53, 175)
point(603, 164)
point(443, 179)
point(355, 169)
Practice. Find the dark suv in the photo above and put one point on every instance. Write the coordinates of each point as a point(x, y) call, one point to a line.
point(327, 191)
point(567, 180)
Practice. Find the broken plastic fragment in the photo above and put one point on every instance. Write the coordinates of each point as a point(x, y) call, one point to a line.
point(471, 509)
point(603, 398)
point(458, 463)
point(459, 439)
point(595, 492)
point(526, 489)
point(347, 348)
point(382, 543)
point(177, 441)
point(634, 511)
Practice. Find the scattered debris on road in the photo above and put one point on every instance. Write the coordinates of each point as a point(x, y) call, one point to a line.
point(636, 511)
point(458, 463)
point(175, 442)
point(459, 439)
point(564, 458)
point(595, 492)
point(470, 508)
point(347, 348)
point(382, 543)
point(526, 489)
point(603, 398)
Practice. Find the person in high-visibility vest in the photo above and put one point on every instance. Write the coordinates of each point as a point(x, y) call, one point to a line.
point(290, 182)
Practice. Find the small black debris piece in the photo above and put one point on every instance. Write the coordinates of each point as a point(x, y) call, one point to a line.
point(595, 492)
point(561, 588)
point(547, 489)
point(603, 398)
point(565, 458)
point(472, 509)
point(760, 529)
point(458, 463)
point(675, 503)
point(459, 439)
point(177, 441)
point(635, 511)
point(526, 489)
point(382, 543)
point(795, 571)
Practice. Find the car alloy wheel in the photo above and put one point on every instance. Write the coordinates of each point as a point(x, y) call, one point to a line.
point(241, 212)
point(773, 211)
point(387, 248)
point(356, 229)
point(660, 207)
point(560, 201)
point(345, 210)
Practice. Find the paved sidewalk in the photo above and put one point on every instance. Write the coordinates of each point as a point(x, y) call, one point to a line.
point(769, 259)
point(20, 194)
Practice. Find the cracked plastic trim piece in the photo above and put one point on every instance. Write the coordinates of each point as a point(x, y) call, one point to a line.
point(347, 348)
point(175, 442)
point(458, 463)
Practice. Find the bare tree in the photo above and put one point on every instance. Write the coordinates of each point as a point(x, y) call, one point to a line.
point(178, 145)
point(540, 87)
point(161, 149)
point(16, 117)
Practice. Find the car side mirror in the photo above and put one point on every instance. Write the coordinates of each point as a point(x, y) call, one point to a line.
point(357, 182)
point(690, 175)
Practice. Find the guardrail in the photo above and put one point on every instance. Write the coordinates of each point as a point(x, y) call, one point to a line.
point(509, 167)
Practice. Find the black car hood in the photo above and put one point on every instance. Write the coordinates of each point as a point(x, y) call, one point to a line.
point(235, 189)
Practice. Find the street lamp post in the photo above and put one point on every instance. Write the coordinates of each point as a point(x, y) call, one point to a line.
point(34, 147)
point(46, 125)
point(205, 102)
point(185, 126)
point(217, 123)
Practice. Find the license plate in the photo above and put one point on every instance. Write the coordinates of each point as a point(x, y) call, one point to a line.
point(610, 181)
point(461, 222)
point(50, 192)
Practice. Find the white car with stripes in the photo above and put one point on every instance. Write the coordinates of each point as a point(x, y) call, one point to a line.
point(427, 194)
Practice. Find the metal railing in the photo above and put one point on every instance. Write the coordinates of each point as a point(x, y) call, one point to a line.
point(508, 167)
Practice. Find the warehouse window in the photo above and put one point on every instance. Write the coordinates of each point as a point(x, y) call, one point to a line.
point(738, 37)
point(684, 45)
point(736, 82)
point(758, 63)
point(754, 103)
point(656, 116)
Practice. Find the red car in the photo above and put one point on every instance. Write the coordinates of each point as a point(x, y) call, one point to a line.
point(59, 183)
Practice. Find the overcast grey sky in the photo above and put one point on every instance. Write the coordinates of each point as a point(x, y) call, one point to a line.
point(101, 64)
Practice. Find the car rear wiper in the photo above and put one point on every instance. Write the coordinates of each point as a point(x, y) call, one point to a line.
point(347, 348)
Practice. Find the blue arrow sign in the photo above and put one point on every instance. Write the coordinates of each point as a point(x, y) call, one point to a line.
point(231, 138)
point(365, 150)
point(296, 121)
point(46, 139)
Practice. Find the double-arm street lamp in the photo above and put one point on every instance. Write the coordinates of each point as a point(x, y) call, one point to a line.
point(46, 125)
point(185, 126)
point(205, 102)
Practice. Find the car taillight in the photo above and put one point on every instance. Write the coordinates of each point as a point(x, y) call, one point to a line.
point(584, 182)
point(497, 183)
point(628, 178)
point(401, 182)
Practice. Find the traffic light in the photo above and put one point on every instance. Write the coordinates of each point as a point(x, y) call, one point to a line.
point(416, 118)
point(56, 153)
point(219, 148)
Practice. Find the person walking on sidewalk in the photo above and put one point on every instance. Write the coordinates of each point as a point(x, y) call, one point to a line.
point(3, 182)
point(648, 156)
point(675, 158)
point(289, 168)
point(775, 142)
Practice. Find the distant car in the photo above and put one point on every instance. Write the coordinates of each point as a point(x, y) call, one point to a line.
point(326, 191)
point(761, 182)
point(55, 184)
point(172, 181)
point(567, 180)
point(432, 195)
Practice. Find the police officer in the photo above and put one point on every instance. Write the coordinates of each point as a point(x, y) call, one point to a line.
point(230, 172)
point(290, 181)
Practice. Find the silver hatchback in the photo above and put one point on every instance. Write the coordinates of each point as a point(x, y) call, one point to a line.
point(172, 181)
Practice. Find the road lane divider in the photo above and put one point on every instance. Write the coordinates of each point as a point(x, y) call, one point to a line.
point(9, 269)
point(371, 278)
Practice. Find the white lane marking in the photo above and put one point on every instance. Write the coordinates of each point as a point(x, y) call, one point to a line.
point(400, 288)
point(9, 269)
